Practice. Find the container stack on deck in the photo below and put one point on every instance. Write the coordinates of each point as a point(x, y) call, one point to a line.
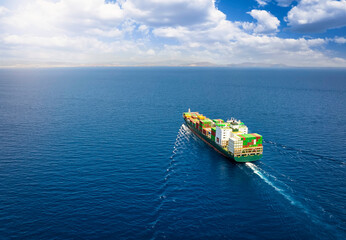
point(232, 135)
point(213, 133)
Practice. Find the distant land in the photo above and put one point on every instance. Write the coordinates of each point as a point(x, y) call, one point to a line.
point(192, 64)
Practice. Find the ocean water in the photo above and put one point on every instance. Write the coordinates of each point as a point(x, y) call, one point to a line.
point(102, 153)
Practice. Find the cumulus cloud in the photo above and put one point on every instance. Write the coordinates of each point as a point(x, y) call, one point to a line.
point(153, 32)
point(54, 17)
point(317, 15)
point(174, 12)
point(266, 22)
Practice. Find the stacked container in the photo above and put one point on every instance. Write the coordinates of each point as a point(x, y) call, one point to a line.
point(218, 121)
point(213, 133)
point(235, 144)
point(251, 140)
point(206, 131)
point(194, 115)
point(205, 123)
point(193, 121)
point(222, 135)
point(220, 124)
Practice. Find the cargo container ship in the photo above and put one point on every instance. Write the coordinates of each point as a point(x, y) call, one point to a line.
point(230, 138)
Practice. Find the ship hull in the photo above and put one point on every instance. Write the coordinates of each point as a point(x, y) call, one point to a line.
point(219, 149)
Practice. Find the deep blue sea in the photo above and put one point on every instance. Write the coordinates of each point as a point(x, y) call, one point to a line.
point(102, 153)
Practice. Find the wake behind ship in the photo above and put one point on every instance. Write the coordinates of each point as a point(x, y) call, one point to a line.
point(231, 138)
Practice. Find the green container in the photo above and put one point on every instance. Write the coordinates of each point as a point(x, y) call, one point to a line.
point(248, 136)
point(213, 138)
point(206, 123)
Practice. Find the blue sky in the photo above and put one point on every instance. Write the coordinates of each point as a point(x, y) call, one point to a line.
point(48, 33)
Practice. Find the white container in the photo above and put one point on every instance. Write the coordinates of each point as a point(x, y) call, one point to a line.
point(222, 135)
point(235, 144)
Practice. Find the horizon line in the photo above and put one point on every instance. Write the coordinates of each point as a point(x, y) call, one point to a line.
point(171, 66)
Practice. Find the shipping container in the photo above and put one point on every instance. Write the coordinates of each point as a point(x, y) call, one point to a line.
point(218, 121)
point(251, 140)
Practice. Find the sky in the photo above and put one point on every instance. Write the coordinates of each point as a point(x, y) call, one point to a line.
point(260, 33)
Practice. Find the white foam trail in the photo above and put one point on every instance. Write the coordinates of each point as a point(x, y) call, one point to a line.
point(314, 217)
point(279, 190)
point(179, 144)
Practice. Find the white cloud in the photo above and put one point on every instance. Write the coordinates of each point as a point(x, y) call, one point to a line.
point(222, 33)
point(144, 29)
point(262, 2)
point(171, 32)
point(112, 33)
point(92, 9)
point(266, 22)
point(284, 3)
point(151, 52)
point(3, 10)
point(173, 12)
point(339, 40)
point(281, 3)
point(44, 16)
point(261, 50)
point(317, 15)
point(52, 42)
point(226, 43)
point(153, 32)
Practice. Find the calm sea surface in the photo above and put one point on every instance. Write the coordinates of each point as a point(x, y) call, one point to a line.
point(102, 153)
